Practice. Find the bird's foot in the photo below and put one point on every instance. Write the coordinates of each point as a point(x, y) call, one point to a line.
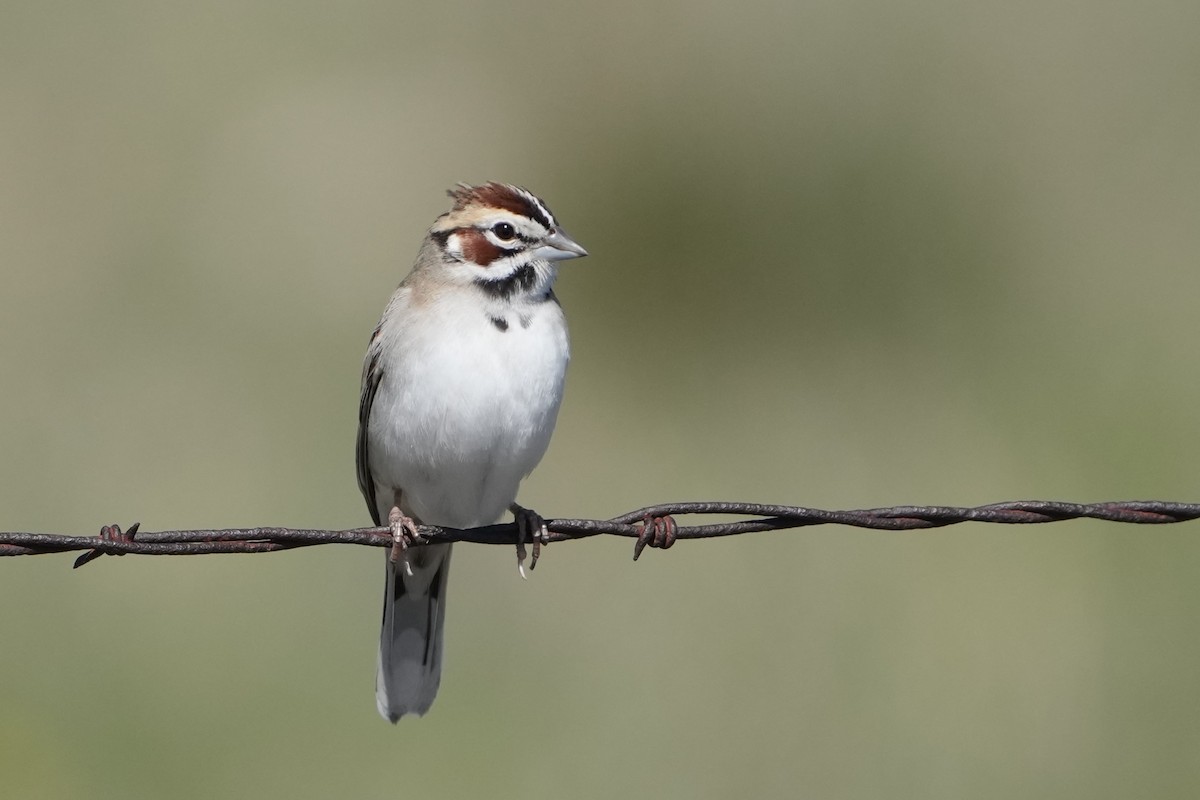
point(657, 532)
point(404, 533)
point(530, 525)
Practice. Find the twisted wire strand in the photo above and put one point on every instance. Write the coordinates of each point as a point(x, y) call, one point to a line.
point(653, 526)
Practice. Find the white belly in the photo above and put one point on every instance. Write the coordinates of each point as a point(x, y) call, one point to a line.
point(465, 411)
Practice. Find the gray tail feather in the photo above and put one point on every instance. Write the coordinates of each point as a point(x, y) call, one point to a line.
point(410, 645)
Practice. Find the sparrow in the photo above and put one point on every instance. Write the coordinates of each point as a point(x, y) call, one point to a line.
point(461, 387)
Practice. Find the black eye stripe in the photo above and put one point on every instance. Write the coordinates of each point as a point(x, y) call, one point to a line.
point(517, 237)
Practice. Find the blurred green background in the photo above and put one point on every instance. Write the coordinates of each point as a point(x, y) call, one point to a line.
point(844, 255)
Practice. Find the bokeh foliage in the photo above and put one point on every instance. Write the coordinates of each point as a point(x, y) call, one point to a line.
point(843, 254)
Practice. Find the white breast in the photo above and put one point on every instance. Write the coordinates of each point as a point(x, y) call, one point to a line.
point(464, 410)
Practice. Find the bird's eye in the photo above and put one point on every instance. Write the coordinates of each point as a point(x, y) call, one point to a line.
point(504, 231)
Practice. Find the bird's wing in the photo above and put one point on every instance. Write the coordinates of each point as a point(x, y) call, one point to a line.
point(372, 373)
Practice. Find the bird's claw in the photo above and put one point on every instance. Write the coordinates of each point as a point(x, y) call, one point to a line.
point(657, 532)
point(404, 534)
point(530, 525)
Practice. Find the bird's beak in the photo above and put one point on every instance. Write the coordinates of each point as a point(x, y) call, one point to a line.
point(559, 247)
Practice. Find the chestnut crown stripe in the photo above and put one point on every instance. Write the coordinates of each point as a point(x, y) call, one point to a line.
point(505, 196)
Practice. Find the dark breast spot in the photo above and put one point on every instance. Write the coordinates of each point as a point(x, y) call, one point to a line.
point(500, 322)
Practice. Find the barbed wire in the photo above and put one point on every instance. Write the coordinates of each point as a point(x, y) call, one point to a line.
point(653, 526)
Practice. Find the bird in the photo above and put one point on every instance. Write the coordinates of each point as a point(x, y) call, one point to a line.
point(461, 387)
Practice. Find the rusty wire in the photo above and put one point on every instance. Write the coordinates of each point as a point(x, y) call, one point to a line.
point(653, 526)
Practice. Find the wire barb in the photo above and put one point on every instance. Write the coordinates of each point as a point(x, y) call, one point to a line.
point(660, 532)
point(654, 526)
point(109, 533)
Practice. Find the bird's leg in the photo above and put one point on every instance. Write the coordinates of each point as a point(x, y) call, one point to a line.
point(529, 525)
point(404, 533)
point(656, 532)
